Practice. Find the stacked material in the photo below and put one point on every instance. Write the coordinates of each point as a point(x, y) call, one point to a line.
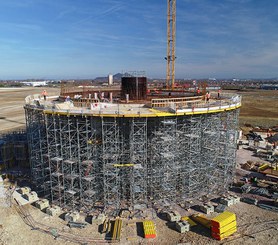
point(149, 229)
point(201, 219)
point(223, 225)
point(116, 235)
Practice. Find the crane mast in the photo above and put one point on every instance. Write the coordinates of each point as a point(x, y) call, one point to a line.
point(171, 44)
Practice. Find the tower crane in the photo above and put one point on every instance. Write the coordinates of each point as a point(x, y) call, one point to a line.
point(171, 44)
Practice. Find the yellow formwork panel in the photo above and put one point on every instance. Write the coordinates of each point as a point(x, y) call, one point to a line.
point(263, 167)
point(116, 235)
point(224, 235)
point(201, 219)
point(224, 228)
point(223, 219)
point(123, 165)
point(149, 229)
point(190, 221)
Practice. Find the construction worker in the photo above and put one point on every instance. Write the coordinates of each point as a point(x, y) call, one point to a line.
point(207, 97)
point(218, 93)
point(44, 94)
point(198, 91)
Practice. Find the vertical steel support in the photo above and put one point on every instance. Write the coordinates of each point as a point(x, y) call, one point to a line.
point(139, 153)
point(163, 162)
point(110, 157)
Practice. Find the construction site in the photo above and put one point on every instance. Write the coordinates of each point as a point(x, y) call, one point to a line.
point(136, 163)
point(117, 164)
point(144, 150)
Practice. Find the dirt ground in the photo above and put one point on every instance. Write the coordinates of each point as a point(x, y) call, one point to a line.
point(254, 225)
point(12, 100)
point(259, 107)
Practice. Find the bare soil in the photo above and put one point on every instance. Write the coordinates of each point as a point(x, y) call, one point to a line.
point(12, 100)
point(259, 108)
point(255, 226)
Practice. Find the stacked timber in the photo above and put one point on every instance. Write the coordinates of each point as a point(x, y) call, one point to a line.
point(223, 225)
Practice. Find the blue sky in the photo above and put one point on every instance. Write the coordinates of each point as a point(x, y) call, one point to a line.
point(89, 38)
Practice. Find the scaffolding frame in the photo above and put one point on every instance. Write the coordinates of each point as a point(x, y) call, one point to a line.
point(84, 162)
point(139, 155)
point(14, 150)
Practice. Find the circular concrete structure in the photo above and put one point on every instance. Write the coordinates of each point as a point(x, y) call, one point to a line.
point(164, 151)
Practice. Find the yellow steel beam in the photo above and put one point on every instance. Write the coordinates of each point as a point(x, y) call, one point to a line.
point(123, 165)
point(156, 113)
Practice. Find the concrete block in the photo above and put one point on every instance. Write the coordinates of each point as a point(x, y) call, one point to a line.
point(31, 197)
point(98, 219)
point(72, 217)
point(207, 208)
point(228, 201)
point(42, 204)
point(53, 211)
point(235, 199)
point(220, 208)
point(24, 190)
point(173, 216)
point(182, 226)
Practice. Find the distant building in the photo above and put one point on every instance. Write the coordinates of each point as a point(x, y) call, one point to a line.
point(36, 83)
point(269, 87)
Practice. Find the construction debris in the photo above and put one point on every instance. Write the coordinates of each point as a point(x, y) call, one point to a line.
point(260, 191)
point(249, 200)
point(72, 224)
point(249, 165)
point(253, 136)
point(246, 188)
point(268, 207)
